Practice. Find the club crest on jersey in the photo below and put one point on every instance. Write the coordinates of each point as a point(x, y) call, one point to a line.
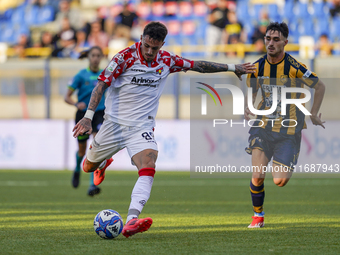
point(159, 71)
point(284, 79)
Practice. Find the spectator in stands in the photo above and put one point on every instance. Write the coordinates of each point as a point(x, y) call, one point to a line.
point(46, 39)
point(97, 36)
point(217, 20)
point(65, 40)
point(324, 47)
point(81, 43)
point(260, 29)
point(233, 32)
point(335, 10)
point(124, 22)
point(22, 44)
point(65, 10)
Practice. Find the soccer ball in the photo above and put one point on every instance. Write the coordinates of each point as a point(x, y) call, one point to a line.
point(108, 224)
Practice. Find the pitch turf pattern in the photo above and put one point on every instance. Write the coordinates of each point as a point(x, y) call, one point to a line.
point(40, 213)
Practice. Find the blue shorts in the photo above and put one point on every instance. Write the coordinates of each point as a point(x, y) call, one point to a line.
point(283, 148)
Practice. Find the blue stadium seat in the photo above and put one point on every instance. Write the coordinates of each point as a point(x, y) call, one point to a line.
point(306, 27)
point(7, 15)
point(46, 14)
point(18, 15)
point(256, 10)
point(31, 15)
point(242, 11)
point(335, 29)
point(321, 27)
point(273, 13)
point(293, 32)
point(288, 13)
point(8, 34)
point(321, 10)
point(301, 11)
point(249, 29)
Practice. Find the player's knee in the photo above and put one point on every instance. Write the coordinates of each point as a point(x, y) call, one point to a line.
point(257, 181)
point(88, 166)
point(280, 182)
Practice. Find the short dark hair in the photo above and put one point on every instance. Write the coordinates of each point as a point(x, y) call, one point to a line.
point(85, 53)
point(280, 27)
point(156, 31)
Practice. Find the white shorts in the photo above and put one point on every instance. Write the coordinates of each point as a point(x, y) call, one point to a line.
point(113, 137)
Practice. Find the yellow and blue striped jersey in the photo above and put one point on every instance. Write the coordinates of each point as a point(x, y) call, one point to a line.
point(288, 72)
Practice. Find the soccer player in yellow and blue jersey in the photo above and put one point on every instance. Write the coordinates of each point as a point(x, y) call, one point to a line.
point(84, 82)
point(277, 136)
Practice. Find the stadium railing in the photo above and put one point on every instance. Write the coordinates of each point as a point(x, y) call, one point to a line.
point(240, 49)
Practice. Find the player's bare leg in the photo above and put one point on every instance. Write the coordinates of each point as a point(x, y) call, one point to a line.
point(259, 164)
point(281, 175)
point(146, 163)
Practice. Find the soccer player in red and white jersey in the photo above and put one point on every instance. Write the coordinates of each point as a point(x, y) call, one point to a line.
point(135, 79)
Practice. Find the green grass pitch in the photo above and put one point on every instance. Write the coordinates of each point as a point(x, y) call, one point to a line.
point(40, 213)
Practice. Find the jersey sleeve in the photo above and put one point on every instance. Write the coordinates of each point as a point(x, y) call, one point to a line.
point(75, 83)
point(115, 68)
point(178, 64)
point(307, 77)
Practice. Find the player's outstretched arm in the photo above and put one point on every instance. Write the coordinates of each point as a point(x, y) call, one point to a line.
point(212, 67)
point(84, 125)
point(318, 97)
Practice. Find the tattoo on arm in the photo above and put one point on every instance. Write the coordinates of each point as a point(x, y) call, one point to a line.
point(209, 67)
point(153, 156)
point(96, 95)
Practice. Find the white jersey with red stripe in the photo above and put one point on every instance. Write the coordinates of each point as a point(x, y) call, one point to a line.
point(135, 86)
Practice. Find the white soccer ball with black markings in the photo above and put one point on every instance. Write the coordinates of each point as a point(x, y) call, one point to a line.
point(108, 224)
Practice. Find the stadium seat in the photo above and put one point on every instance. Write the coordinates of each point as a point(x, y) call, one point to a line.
point(7, 34)
point(320, 10)
point(335, 29)
point(144, 10)
point(321, 27)
point(306, 27)
point(18, 15)
point(174, 32)
point(249, 29)
point(185, 10)
point(242, 11)
point(7, 15)
point(171, 8)
point(288, 13)
point(301, 10)
point(200, 9)
point(293, 32)
point(157, 9)
point(255, 11)
point(273, 13)
point(46, 14)
point(31, 15)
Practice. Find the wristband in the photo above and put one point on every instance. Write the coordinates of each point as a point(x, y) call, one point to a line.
point(76, 105)
point(231, 68)
point(89, 114)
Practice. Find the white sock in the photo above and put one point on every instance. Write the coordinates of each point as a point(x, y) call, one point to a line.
point(130, 217)
point(140, 195)
point(102, 164)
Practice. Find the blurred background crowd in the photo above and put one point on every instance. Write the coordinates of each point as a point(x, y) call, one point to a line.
point(66, 27)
